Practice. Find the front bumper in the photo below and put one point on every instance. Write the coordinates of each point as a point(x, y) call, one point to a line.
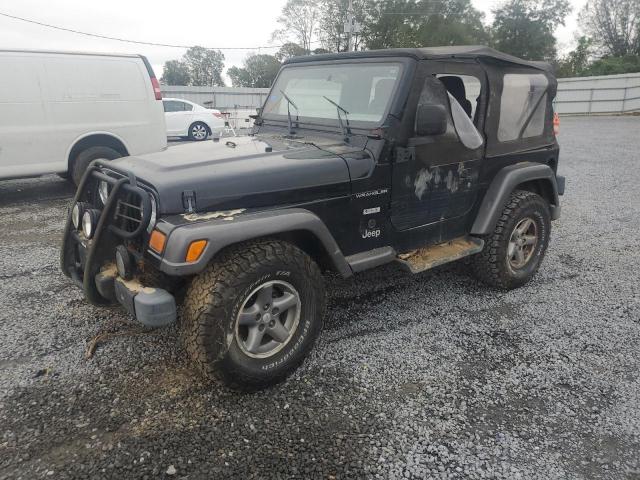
point(153, 307)
point(89, 261)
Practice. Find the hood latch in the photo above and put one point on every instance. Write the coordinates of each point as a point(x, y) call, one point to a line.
point(189, 201)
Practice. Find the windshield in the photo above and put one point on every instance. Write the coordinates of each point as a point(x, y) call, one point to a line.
point(364, 90)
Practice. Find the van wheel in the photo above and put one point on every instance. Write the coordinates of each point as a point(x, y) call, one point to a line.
point(198, 131)
point(84, 158)
point(514, 251)
point(254, 314)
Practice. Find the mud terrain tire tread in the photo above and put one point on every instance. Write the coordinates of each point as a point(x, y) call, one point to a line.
point(212, 294)
point(489, 265)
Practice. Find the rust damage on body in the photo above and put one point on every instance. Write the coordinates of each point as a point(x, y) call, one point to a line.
point(431, 178)
point(228, 215)
point(429, 257)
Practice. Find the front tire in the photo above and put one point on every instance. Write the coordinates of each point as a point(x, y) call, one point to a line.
point(198, 132)
point(254, 314)
point(514, 251)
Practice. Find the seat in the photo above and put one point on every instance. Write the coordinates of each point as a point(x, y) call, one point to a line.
point(455, 86)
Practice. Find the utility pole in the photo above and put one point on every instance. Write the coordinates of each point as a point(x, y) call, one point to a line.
point(351, 27)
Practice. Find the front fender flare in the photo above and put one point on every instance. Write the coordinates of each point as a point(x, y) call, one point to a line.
point(221, 233)
point(504, 183)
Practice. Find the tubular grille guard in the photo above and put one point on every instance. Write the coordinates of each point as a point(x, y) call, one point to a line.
point(117, 205)
point(123, 190)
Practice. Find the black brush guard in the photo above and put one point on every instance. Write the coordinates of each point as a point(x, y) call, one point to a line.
point(84, 272)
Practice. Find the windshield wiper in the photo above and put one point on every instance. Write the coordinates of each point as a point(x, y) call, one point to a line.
point(346, 129)
point(289, 104)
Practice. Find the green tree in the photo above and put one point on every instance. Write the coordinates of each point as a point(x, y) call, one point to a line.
point(205, 66)
point(576, 62)
point(289, 50)
point(450, 22)
point(422, 23)
point(298, 22)
point(614, 26)
point(613, 66)
point(258, 71)
point(390, 24)
point(524, 28)
point(175, 72)
point(333, 16)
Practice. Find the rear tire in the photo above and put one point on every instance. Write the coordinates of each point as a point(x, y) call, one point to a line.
point(84, 158)
point(232, 326)
point(514, 251)
point(198, 131)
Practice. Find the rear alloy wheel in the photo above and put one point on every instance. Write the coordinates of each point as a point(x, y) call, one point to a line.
point(522, 244)
point(198, 132)
point(514, 251)
point(84, 158)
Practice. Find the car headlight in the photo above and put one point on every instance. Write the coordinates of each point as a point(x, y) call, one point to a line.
point(89, 222)
point(75, 216)
point(103, 192)
point(154, 214)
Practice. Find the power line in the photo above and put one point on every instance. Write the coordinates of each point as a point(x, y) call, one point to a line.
point(137, 42)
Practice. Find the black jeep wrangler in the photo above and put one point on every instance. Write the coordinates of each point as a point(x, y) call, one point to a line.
point(416, 156)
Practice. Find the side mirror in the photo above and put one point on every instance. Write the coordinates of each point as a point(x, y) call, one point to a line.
point(431, 120)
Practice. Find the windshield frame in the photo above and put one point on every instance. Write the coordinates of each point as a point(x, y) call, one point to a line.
point(333, 123)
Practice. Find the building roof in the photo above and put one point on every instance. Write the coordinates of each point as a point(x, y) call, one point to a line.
point(426, 53)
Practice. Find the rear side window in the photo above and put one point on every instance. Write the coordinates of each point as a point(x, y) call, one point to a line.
point(524, 99)
point(173, 106)
point(187, 107)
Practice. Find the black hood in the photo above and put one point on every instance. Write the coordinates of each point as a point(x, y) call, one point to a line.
point(240, 172)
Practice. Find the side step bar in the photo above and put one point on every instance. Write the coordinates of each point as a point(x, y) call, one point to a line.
point(417, 261)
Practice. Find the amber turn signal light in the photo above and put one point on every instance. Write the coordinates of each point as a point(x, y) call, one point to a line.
point(157, 241)
point(195, 250)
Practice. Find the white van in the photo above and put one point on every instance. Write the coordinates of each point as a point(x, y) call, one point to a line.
point(59, 111)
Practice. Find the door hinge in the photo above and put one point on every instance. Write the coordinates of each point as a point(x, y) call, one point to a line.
point(189, 201)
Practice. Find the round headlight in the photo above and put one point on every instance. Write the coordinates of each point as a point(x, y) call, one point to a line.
point(89, 221)
point(124, 264)
point(75, 216)
point(154, 214)
point(103, 191)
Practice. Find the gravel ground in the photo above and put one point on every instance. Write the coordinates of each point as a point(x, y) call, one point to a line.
point(419, 376)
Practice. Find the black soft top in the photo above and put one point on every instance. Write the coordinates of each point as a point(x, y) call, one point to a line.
point(429, 53)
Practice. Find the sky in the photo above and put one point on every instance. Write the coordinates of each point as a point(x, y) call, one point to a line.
point(212, 23)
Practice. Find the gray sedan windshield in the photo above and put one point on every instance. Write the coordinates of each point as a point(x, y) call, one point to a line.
point(364, 90)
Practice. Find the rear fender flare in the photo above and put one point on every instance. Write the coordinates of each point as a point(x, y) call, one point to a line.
point(504, 183)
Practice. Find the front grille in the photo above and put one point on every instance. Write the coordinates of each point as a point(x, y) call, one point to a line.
point(128, 213)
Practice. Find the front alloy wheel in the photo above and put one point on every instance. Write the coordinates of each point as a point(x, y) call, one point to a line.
point(252, 316)
point(268, 319)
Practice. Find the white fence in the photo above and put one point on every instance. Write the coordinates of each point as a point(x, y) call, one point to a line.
point(222, 98)
point(599, 95)
point(586, 95)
